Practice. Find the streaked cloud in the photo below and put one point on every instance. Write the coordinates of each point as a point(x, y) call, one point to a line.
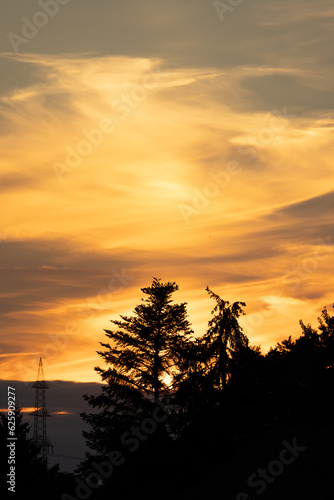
point(171, 145)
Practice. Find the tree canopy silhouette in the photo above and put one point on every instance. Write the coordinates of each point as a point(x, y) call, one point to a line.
point(222, 340)
point(223, 394)
point(143, 357)
point(146, 344)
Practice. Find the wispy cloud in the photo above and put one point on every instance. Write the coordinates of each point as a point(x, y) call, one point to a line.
point(233, 121)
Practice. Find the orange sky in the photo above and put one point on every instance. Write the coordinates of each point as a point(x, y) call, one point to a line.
point(184, 147)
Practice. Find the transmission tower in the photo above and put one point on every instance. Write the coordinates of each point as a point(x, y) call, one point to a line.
point(41, 413)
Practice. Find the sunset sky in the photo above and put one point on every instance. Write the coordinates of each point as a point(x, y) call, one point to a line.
point(161, 138)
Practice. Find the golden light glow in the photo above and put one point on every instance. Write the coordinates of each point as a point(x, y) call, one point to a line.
point(134, 167)
point(23, 410)
point(30, 410)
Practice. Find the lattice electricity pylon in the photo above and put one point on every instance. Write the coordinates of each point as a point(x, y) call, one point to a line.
point(41, 413)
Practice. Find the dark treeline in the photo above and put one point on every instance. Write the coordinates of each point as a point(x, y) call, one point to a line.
point(227, 407)
point(212, 417)
point(33, 478)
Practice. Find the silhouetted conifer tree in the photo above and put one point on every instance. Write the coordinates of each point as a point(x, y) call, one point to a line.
point(143, 356)
point(223, 338)
point(327, 335)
